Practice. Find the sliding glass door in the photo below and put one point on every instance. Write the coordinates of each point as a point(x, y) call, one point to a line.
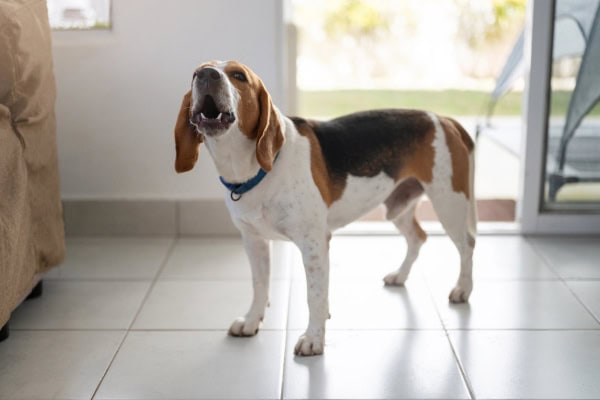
point(561, 174)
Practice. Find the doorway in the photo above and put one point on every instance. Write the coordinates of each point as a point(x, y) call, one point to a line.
point(440, 55)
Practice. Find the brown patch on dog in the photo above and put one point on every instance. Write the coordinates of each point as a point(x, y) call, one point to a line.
point(187, 139)
point(256, 114)
point(420, 232)
point(248, 110)
point(404, 198)
point(420, 162)
point(330, 190)
point(460, 146)
point(470, 240)
point(466, 138)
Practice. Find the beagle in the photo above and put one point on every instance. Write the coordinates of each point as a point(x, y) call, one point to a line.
point(298, 180)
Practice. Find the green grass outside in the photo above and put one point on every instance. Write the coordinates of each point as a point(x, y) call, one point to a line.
point(445, 102)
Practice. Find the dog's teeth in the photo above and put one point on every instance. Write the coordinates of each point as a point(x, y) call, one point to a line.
point(219, 116)
point(204, 118)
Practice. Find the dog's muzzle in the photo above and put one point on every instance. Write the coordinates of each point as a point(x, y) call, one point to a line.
point(211, 113)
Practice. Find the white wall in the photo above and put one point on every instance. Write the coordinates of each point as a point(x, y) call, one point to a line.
point(119, 91)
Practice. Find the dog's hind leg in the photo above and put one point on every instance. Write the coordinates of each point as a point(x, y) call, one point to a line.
point(453, 213)
point(401, 206)
point(452, 196)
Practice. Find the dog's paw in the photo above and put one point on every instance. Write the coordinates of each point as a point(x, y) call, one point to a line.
point(461, 292)
point(309, 345)
point(244, 326)
point(395, 279)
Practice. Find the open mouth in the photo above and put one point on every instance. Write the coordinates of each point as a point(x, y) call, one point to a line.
point(208, 116)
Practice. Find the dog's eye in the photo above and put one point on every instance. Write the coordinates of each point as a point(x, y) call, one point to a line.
point(239, 76)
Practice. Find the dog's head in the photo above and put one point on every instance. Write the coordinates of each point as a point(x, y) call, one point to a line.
point(226, 96)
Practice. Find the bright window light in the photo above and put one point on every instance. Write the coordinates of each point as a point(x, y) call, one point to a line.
point(79, 14)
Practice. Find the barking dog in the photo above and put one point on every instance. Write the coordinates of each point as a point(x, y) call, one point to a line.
point(298, 180)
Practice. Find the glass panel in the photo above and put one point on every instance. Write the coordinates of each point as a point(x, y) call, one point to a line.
point(573, 146)
point(79, 14)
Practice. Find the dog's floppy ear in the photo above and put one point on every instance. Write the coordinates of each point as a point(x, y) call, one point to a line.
point(187, 140)
point(270, 137)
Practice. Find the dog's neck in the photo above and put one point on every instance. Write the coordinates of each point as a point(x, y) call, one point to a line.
point(234, 155)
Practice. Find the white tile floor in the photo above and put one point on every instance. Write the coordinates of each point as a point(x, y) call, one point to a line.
point(147, 319)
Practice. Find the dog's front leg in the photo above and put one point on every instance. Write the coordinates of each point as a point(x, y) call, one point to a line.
point(315, 255)
point(258, 251)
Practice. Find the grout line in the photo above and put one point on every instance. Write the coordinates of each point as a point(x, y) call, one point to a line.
point(524, 330)
point(163, 265)
point(461, 368)
point(459, 364)
point(289, 259)
point(98, 280)
point(564, 281)
point(129, 329)
point(542, 257)
point(580, 301)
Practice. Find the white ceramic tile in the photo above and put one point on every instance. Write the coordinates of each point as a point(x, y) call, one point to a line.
point(112, 258)
point(438, 260)
point(589, 294)
point(196, 365)
point(571, 257)
point(381, 342)
point(82, 305)
point(514, 305)
point(495, 258)
point(369, 305)
point(366, 257)
point(55, 364)
point(509, 257)
point(375, 365)
point(219, 259)
point(208, 305)
point(530, 364)
point(360, 257)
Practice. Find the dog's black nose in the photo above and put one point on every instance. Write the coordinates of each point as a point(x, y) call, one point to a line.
point(207, 74)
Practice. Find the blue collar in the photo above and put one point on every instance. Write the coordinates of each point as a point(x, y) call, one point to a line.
point(238, 189)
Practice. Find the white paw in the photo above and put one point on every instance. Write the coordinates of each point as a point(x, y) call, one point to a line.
point(461, 292)
point(244, 326)
point(395, 279)
point(309, 345)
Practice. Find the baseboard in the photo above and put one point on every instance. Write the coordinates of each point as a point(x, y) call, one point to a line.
point(204, 217)
point(198, 218)
point(147, 218)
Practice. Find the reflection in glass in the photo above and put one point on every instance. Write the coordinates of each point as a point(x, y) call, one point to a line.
point(573, 145)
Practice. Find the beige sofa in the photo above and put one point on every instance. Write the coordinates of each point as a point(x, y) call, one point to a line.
point(31, 224)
